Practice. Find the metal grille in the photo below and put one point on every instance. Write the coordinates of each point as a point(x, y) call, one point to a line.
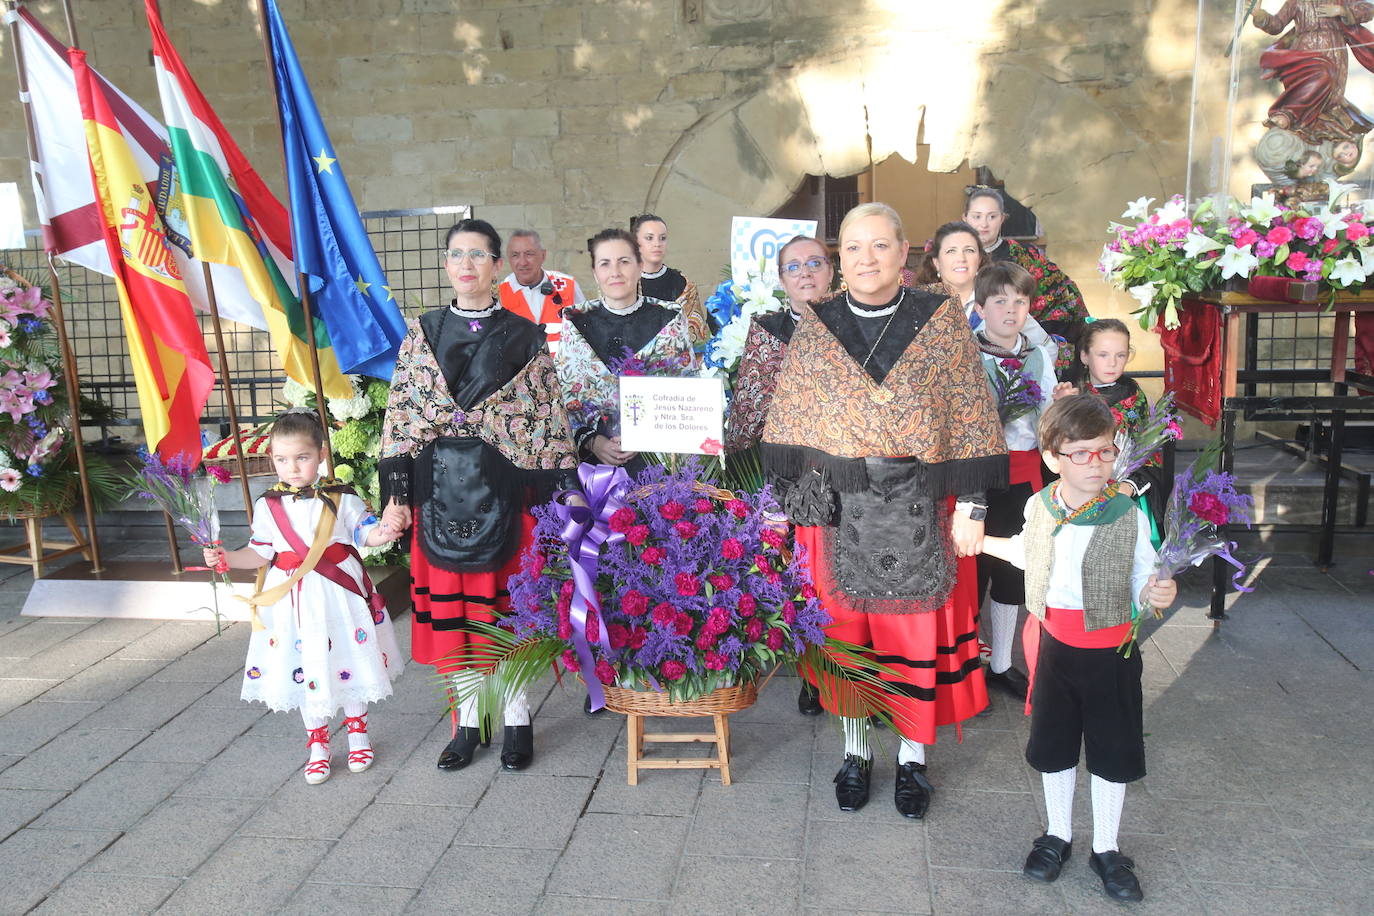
point(407, 243)
point(1294, 344)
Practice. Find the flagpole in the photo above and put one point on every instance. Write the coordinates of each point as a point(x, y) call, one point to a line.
point(71, 380)
point(302, 283)
point(229, 405)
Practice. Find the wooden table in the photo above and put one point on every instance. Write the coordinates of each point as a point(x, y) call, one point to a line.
point(1240, 374)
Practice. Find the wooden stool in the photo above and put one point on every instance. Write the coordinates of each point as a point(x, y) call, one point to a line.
point(31, 553)
point(636, 738)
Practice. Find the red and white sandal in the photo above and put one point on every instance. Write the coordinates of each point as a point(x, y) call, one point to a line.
point(317, 771)
point(359, 759)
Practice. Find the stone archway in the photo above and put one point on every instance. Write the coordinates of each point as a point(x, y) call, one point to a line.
point(1063, 152)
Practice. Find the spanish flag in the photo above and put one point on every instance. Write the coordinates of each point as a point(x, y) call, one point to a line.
point(171, 368)
point(232, 217)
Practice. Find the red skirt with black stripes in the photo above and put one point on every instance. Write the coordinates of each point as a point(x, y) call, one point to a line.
point(935, 653)
point(447, 602)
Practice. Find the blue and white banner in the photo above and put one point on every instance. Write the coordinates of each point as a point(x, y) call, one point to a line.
point(754, 244)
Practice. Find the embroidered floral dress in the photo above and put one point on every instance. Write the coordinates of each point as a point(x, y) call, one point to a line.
point(1130, 407)
point(323, 646)
point(1058, 305)
point(671, 286)
point(764, 348)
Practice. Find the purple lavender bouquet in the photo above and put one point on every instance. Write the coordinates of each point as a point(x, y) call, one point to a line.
point(694, 591)
point(1141, 445)
point(1016, 390)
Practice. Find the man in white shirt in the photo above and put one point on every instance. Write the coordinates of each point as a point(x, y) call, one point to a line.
point(533, 292)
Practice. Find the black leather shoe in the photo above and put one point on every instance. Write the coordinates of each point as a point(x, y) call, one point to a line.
point(587, 707)
point(809, 700)
point(913, 791)
point(462, 748)
point(1013, 682)
point(851, 783)
point(1118, 875)
point(517, 747)
point(1047, 857)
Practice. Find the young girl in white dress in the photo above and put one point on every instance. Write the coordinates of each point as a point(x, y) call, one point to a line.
point(322, 638)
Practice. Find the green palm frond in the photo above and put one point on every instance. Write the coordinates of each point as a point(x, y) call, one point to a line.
point(510, 664)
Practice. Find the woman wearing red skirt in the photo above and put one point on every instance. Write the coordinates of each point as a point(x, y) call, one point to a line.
point(475, 429)
point(881, 439)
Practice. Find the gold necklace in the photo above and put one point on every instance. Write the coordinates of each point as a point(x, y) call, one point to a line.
point(877, 393)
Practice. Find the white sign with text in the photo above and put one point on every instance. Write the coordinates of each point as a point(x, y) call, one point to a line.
point(754, 244)
point(677, 415)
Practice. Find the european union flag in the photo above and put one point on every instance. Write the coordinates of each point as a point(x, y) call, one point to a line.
point(347, 287)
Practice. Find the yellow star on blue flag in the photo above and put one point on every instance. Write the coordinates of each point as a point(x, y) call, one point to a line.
point(325, 162)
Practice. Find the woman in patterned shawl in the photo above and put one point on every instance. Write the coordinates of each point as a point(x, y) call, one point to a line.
point(601, 334)
point(475, 431)
point(659, 281)
point(1058, 305)
point(881, 416)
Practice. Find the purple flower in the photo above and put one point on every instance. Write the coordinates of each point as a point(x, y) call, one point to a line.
point(1265, 248)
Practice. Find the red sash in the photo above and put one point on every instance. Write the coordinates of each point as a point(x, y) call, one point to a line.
point(328, 566)
point(1025, 468)
point(1065, 625)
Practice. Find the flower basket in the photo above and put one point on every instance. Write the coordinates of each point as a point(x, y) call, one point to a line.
point(54, 503)
point(719, 702)
point(257, 460)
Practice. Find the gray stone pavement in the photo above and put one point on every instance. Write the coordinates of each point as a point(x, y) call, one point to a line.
point(133, 780)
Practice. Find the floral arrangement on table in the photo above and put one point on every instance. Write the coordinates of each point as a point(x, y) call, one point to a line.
point(1015, 389)
point(689, 589)
point(355, 439)
point(733, 306)
point(1176, 249)
point(1204, 500)
point(38, 468)
point(186, 492)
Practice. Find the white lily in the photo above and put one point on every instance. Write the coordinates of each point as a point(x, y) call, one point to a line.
point(1195, 243)
point(1348, 271)
point(1237, 262)
point(1367, 259)
point(1111, 261)
point(1335, 190)
point(1173, 211)
point(1138, 208)
point(1332, 222)
point(1144, 293)
point(1261, 210)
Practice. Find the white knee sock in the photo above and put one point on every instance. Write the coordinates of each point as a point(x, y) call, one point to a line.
point(518, 708)
point(856, 738)
point(1108, 800)
point(465, 680)
point(1003, 625)
point(317, 751)
point(911, 752)
point(357, 740)
point(1059, 802)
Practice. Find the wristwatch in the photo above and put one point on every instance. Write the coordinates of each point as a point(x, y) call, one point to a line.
point(975, 511)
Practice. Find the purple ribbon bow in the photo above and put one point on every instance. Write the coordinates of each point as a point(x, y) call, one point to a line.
point(587, 531)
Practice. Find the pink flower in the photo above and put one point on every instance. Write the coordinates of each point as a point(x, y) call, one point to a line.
point(789, 614)
point(593, 626)
point(219, 472)
point(536, 563)
point(715, 661)
point(16, 402)
point(762, 562)
point(1010, 363)
point(711, 446)
point(1296, 261)
point(672, 670)
point(772, 537)
point(687, 584)
point(1175, 431)
point(731, 549)
point(635, 603)
point(1307, 227)
point(622, 519)
point(665, 615)
point(703, 507)
point(10, 480)
point(753, 629)
point(672, 510)
point(1279, 235)
point(747, 605)
point(636, 638)
point(774, 639)
point(684, 624)
point(637, 534)
point(605, 673)
point(1209, 508)
point(686, 530)
point(1330, 245)
point(617, 634)
point(1245, 237)
point(570, 660)
point(1355, 230)
point(653, 555)
point(808, 591)
point(720, 582)
point(737, 507)
point(707, 640)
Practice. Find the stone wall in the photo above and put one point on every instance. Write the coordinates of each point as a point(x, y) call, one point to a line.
point(572, 115)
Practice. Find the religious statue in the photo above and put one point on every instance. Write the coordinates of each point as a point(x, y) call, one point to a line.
point(1310, 60)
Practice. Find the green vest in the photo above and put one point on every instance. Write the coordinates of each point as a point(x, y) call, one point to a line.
point(1107, 563)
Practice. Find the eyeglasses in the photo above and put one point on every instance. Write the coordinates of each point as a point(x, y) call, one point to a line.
point(1107, 454)
point(476, 255)
point(811, 264)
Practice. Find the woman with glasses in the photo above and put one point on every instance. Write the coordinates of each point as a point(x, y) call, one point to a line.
point(474, 433)
point(882, 438)
point(659, 281)
point(806, 275)
point(598, 338)
point(1058, 305)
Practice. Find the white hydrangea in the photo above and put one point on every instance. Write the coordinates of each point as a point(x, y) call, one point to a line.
point(6, 460)
point(295, 394)
point(354, 408)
